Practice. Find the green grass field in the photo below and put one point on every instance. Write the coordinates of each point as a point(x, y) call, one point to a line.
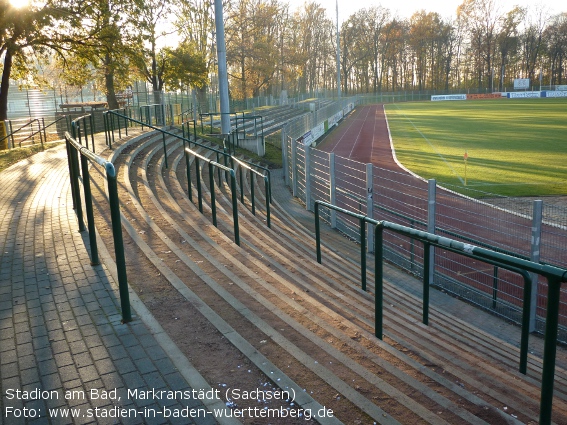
point(515, 147)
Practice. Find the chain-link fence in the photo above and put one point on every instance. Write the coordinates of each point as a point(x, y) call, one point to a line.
point(503, 224)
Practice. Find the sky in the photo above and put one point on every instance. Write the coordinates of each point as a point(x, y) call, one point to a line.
point(405, 8)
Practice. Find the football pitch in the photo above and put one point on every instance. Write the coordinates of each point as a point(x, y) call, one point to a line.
point(514, 147)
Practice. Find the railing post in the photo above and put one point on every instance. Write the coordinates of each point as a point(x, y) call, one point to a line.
point(494, 287)
point(164, 150)
point(526, 310)
point(234, 206)
point(71, 171)
point(370, 205)
point(89, 210)
point(317, 233)
point(75, 187)
point(188, 168)
point(535, 256)
point(118, 242)
point(379, 284)
point(427, 251)
point(549, 351)
point(363, 253)
point(268, 198)
point(241, 184)
point(252, 192)
point(307, 159)
point(199, 192)
point(213, 200)
point(293, 145)
point(333, 188)
point(431, 202)
point(92, 123)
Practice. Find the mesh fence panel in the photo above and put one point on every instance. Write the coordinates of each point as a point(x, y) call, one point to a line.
point(499, 223)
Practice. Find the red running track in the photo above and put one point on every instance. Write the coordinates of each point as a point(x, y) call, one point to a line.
point(363, 137)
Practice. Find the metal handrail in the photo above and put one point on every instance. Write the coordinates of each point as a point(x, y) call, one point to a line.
point(74, 150)
point(227, 157)
point(267, 187)
point(554, 275)
point(212, 165)
point(29, 123)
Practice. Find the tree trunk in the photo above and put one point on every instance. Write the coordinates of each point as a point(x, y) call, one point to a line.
point(5, 85)
point(110, 92)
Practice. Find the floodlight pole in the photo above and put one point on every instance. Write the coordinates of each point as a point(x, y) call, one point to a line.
point(222, 70)
point(338, 56)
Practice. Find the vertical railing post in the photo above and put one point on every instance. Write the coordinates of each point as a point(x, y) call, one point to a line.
point(240, 173)
point(333, 188)
point(549, 351)
point(105, 124)
point(213, 200)
point(526, 309)
point(267, 189)
point(234, 206)
point(164, 150)
point(431, 202)
point(494, 286)
point(199, 192)
point(293, 145)
point(370, 205)
point(427, 252)
point(317, 233)
point(307, 160)
point(535, 257)
point(89, 210)
point(188, 168)
point(118, 242)
point(379, 284)
point(71, 176)
point(252, 192)
point(75, 187)
point(92, 123)
point(363, 253)
point(44, 132)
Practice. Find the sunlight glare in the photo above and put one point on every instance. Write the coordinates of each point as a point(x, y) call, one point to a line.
point(18, 4)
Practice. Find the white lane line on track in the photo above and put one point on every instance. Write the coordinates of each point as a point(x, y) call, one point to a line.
point(347, 128)
point(359, 131)
point(433, 147)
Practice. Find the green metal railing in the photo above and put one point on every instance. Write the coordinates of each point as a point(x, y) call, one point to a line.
point(228, 160)
point(555, 277)
point(74, 150)
point(413, 222)
point(41, 131)
point(362, 220)
point(212, 165)
point(85, 122)
point(267, 186)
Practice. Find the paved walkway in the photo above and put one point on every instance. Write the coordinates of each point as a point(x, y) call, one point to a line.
point(62, 344)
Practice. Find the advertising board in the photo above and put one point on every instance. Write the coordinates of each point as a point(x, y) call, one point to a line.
point(521, 83)
point(449, 97)
point(524, 94)
point(554, 94)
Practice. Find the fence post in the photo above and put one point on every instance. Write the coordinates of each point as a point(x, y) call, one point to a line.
point(333, 186)
point(284, 156)
point(370, 206)
point(294, 167)
point(535, 256)
point(307, 178)
point(432, 193)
